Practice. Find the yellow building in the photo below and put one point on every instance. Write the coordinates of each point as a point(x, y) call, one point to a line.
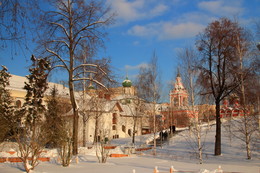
point(18, 92)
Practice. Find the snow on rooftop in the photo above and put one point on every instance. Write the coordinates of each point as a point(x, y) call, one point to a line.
point(17, 83)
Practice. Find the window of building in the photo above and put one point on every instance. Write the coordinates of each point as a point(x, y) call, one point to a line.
point(115, 136)
point(114, 119)
point(175, 101)
point(18, 103)
point(123, 128)
point(129, 132)
point(114, 127)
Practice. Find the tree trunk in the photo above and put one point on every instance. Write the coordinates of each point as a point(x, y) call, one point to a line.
point(133, 139)
point(199, 131)
point(71, 85)
point(75, 117)
point(96, 131)
point(218, 130)
point(154, 130)
point(84, 130)
point(248, 150)
point(75, 132)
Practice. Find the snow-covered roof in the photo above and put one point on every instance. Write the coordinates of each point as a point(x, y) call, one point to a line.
point(127, 110)
point(17, 84)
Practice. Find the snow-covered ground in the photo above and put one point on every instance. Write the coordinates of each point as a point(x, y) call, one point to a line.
point(177, 152)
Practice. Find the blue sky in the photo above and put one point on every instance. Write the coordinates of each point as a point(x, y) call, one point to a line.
point(145, 26)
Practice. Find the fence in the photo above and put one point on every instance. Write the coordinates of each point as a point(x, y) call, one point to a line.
point(172, 170)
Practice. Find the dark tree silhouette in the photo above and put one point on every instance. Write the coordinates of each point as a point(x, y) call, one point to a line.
point(218, 47)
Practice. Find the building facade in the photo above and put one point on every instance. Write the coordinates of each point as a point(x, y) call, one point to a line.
point(178, 113)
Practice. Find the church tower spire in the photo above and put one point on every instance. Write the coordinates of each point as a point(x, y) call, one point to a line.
point(179, 95)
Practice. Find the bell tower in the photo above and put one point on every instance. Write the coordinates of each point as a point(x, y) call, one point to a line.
point(179, 95)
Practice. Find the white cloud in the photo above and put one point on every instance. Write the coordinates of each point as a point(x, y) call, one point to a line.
point(167, 30)
point(136, 67)
point(144, 31)
point(182, 30)
point(128, 11)
point(222, 7)
point(188, 25)
point(158, 10)
point(195, 17)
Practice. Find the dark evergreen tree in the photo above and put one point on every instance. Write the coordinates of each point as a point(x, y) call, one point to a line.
point(57, 127)
point(6, 107)
point(55, 124)
point(31, 136)
point(53, 120)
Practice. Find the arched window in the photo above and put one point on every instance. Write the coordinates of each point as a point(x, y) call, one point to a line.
point(18, 103)
point(129, 132)
point(123, 128)
point(175, 101)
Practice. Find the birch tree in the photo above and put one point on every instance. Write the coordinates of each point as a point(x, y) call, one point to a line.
point(245, 128)
point(189, 59)
point(72, 26)
point(148, 85)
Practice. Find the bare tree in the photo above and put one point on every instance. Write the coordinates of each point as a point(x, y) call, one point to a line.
point(102, 152)
point(247, 72)
point(17, 22)
point(89, 86)
point(71, 27)
point(245, 128)
point(97, 110)
point(189, 60)
point(135, 106)
point(196, 138)
point(218, 63)
point(85, 113)
point(149, 89)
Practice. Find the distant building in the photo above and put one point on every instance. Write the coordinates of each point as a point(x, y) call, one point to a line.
point(178, 112)
point(179, 95)
point(231, 110)
point(126, 89)
point(114, 112)
point(18, 92)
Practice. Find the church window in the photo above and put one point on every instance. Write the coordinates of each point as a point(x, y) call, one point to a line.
point(114, 119)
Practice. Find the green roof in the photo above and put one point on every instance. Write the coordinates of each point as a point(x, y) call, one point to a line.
point(127, 82)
